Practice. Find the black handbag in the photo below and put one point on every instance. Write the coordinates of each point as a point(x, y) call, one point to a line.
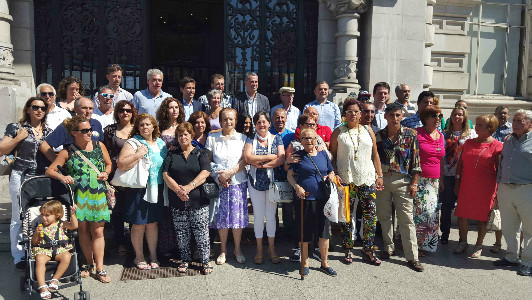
point(210, 189)
point(325, 184)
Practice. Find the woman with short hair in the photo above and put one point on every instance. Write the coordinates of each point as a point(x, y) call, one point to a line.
point(70, 89)
point(214, 97)
point(202, 127)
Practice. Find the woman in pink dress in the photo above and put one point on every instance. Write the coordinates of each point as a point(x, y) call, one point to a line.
point(475, 184)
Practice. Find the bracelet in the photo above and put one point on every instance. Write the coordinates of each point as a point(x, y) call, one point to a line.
point(378, 176)
point(193, 184)
point(414, 184)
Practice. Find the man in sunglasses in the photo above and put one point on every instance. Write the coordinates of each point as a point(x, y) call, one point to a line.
point(104, 112)
point(60, 137)
point(56, 115)
point(402, 91)
point(114, 77)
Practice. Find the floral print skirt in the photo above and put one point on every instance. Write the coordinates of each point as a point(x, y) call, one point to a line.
point(233, 210)
point(426, 214)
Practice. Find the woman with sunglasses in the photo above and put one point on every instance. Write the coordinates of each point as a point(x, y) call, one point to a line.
point(431, 153)
point(475, 183)
point(88, 187)
point(23, 139)
point(115, 137)
point(169, 115)
point(70, 89)
point(358, 165)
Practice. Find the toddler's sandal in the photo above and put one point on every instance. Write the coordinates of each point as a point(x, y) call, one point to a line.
point(53, 287)
point(46, 294)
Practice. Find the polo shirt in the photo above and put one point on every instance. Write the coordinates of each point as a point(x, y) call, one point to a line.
point(60, 136)
point(145, 102)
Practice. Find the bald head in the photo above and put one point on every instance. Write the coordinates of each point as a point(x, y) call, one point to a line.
point(312, 111)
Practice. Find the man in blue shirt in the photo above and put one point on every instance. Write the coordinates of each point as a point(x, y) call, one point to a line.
point(60, 136)
point(187, 86)
point(149, 100)
point(329, 112)
point(505, 127)
point(425, 99)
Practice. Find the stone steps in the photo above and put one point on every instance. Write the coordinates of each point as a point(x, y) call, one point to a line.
point(486, 104)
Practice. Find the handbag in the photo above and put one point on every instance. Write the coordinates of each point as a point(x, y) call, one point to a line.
point(344, 213)
point(6, 164)
point(281, 192)
point(110, 190)
point(210, 189)
point(494, 220)
point(136, 177)
point(331, 207)
point(325, 184)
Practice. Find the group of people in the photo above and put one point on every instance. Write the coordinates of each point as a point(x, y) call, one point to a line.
point(387, 160)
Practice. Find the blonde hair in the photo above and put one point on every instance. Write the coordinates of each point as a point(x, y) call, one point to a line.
point(465, 125)
point(53, 207)
point(491, 122)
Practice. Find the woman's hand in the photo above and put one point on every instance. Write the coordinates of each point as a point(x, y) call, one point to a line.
point(495, 203)
point(331, 177)
point(224, 177)
point(301, 192)
point(22, 133)
point(320, 148)
point(379, 184)
point(181, 193)
point(103, 176)
point(340, 181)
point(412, 190)
point(77, 95)
point(456, 188)
point(293, 159)
point(66, 179)
point(142, 150)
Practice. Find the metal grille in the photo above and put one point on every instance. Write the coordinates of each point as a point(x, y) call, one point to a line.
point(262, 37)
point(81, 38)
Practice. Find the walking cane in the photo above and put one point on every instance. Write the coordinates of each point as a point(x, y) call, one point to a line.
point(301, 245)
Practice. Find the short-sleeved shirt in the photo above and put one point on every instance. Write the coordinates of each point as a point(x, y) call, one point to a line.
point(430, 153)
point(307, 175)
point(379, 121)
point(262, 182)
point(120, 95)
point(516, 159)
point(104, 119)
point(503, 131)
point(145, 102)
point(292, 115)
point(61, 137)
point(56, 117)
point(323, 131)
point(401, 156)
point(29, 158)
point(184, 171)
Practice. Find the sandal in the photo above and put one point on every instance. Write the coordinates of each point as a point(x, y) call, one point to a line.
point(375, 261)
point(348, 259)
point(142, 265)
point(102, 276)
point(241, 259)
point(183, 267)
point(155, 264)
point(87, 271)
point(206, 269)
point(258, 257)
point(275, 258)
point(46, 294)
point(221, 259)
point(53, 287)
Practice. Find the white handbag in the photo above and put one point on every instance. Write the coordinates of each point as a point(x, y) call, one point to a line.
point(281, 192)
point(136, 177)
point(494, 220)
point(330, 210)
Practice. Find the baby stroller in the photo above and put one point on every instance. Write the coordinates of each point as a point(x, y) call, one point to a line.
point(34, 192)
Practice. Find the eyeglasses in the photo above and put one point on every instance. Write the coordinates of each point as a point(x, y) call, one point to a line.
point(84, 131)
point(50, 94)
point(308, 139)
point(363, 99)
point(352, 112)
point(310, 124)
point(106, 95)
point(37, 107)
point(437, 116)
point(127, 110)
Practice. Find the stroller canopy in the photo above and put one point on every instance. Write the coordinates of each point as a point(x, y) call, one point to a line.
point(41, 188)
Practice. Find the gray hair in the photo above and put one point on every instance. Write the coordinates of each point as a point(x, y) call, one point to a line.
point(43, 85)
point(399, 87)
point(250, 74)
point(500, 108)
point(152, 72)
point(527, 113)
point(211, 93)
point(104, 87)
point(77, 101)
point(279, 110)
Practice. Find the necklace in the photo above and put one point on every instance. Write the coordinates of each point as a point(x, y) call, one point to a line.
point(357, 145)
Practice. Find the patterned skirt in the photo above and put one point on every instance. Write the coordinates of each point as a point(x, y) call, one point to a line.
point(426, 214)
point(233, 210)
point(92, 204)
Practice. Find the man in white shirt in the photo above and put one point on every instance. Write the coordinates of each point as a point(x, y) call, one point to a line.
point(292, 112)
point(217, 83)
point(381, 96)
point(329, 112)
point(114, 76)
point(56, 115)
point(402, 91)
point(105, 112)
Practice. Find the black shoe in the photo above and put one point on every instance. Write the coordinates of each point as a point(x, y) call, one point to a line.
point(503, 262)
point(445, 239)
point(386, 254)
point(415, 265)
point(525, 271)
point(375, 261)
point(21, 265)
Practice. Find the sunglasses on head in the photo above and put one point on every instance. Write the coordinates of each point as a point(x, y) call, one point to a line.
point(363, 99)
point(437, 116)
point(85, 130)
point(50, 94)
point(128, 110)
point(37, 107)
point(106, 95)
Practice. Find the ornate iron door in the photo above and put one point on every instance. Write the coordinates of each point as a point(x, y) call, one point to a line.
point(275, 39)
point(81, 38)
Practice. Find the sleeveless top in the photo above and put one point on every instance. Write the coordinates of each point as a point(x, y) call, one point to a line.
point(359, 171)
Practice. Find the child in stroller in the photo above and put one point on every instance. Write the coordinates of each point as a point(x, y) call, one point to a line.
point(50, 242)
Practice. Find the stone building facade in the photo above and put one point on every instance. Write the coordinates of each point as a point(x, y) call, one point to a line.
point(460, 49)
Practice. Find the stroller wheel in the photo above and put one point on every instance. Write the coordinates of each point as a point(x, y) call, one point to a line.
point(22, 283)
point(83, 295)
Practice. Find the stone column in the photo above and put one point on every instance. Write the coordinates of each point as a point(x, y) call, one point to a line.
point(347, 13)
point(7, 72)
point(429, 42)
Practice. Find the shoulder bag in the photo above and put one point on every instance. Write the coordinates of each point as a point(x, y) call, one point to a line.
point(136, 177)
point(209, 188)
point(325, 183)
point(7, 161)
point(110, 190)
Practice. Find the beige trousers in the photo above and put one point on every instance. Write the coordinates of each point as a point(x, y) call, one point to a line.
point(396, 190)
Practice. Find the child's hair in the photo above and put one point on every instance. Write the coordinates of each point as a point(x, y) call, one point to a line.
point(53, 207)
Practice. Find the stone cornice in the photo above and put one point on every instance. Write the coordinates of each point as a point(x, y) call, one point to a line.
point(339, 7)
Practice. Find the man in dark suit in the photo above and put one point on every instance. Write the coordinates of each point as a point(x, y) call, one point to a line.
point(251, 101)
point(187, 86)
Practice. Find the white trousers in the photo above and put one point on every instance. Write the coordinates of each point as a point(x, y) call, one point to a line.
point(262, 207)
point(515, 204)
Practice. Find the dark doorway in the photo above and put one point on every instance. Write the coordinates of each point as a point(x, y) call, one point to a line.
point(187, 40)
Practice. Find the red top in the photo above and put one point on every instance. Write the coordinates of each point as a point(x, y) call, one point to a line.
point(323, 131)
point(430, 153)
